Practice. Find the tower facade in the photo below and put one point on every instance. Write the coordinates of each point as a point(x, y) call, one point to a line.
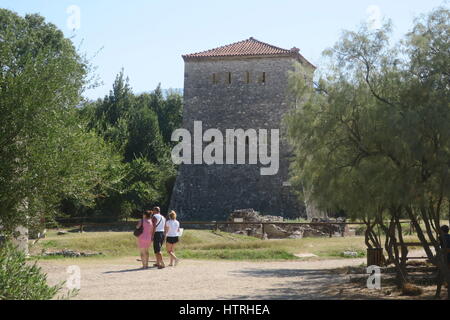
point(239, 86)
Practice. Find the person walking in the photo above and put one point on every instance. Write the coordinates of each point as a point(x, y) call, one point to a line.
point(172, 232)
point(159, 223)
point(145, 238)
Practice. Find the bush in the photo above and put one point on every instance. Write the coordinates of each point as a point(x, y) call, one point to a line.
point(20, 280)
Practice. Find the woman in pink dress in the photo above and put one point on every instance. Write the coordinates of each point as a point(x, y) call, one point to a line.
point(145, 239)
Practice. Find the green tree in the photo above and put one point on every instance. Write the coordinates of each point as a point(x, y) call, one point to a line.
point(109, 117)
point(169, 110)
point(372, 136)
point(44, 150)
point(144, 135)
point(140, 128)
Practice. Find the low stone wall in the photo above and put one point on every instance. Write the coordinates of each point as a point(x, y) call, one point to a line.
point(277, 231)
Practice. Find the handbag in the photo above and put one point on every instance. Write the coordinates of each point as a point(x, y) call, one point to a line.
point(138, 231)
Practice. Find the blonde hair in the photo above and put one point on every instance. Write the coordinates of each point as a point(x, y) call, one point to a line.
point(173, 215)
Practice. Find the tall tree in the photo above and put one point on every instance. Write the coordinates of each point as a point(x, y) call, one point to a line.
point(372, 137)
point(44, 151)
point(140, 127)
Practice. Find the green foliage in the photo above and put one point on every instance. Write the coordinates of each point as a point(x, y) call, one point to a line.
point(372, 137)
point(20, 280)
point(144, 136)
point(139, 127)
point(373, 133)
point(170, 115)
point(45, 152)
point(107, 158)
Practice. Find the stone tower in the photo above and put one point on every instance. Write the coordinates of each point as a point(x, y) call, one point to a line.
point(239, 86)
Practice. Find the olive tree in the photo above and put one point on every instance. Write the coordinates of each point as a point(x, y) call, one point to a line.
point(44, 149)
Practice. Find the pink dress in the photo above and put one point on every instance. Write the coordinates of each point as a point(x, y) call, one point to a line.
point(145, 239)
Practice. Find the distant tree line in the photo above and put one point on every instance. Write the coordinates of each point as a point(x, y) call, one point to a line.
point(139, 129)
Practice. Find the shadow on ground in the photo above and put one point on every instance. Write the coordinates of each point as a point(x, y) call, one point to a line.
point(304, 285)
point(128, 270)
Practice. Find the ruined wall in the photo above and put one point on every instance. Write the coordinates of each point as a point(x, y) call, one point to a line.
point(205, 192)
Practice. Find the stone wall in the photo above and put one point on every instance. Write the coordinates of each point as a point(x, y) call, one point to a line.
point(210, 192)
point(250, 218)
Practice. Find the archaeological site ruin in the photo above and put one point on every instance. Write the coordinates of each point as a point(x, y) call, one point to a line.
point(238, 86)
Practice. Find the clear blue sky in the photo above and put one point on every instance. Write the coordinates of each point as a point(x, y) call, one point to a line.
point(148, 37)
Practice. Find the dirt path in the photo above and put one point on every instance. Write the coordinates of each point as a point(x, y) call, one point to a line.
point(203, 280)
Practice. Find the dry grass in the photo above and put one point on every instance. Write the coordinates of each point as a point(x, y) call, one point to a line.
point(205, 244)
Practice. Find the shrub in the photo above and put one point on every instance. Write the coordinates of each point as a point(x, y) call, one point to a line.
point(20, 280)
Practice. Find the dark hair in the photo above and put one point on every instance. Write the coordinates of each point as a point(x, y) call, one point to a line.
point(444, 229)
point(147, 213)
point(157, 209)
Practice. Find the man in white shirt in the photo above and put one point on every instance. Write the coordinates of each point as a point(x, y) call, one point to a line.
point(159, 223)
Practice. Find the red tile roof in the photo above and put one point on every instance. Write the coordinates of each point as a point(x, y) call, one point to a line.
point(246, 48)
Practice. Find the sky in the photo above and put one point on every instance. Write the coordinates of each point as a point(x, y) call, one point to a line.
point(148, 37)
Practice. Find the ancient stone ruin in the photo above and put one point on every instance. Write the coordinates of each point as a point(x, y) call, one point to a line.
point(272, 230)
point(71, 253)
point(239, 86)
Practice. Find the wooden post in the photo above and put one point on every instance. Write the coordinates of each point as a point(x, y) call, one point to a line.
point(263, 230)
point(344, 229)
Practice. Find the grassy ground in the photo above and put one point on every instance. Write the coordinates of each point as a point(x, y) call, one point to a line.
point(204, 244)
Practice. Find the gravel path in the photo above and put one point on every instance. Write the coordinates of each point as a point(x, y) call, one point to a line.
point(203, 280)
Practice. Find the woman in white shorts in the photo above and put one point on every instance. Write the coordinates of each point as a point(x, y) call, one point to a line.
point(172, 237)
